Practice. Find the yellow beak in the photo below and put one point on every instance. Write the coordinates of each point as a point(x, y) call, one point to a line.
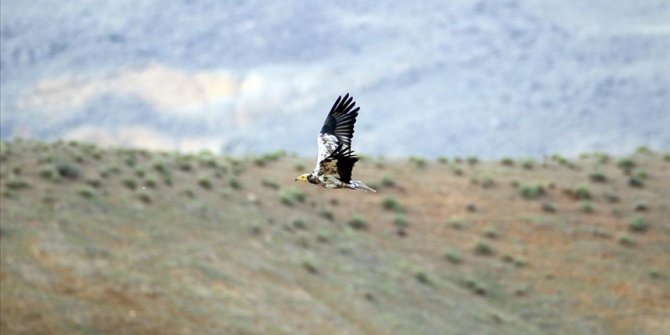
point(301, 178)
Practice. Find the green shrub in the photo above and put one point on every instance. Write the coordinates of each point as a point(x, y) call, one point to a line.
point(635, 182)
point(422, 277)
point(626, 164)
point(641, 206)
point(357, 222)
point(582, 192)
point(235, 183)
point(528, 164)
point(205, 183)
point(270, 184)
point(482, 247)
point(626, 240)
point(327, 214)
point(491, 232)
point(456, 222)
point(299, 224)
point(453, 256)
point(67, 170)
point(418, 162)
point(129, 183)
point(144, 197)
point(86, 192)
point(638, 225)
point(472, 160)
point(586, 206)
point(387, 181)
point(442, 160)
point(310, 266)
point(400, 221)
point(507, 161)
point(598, 177)
point(290, 196)
point(531, 191)
point(94, 182)
point(488, 182)
point(150, 182)
point(391, 204)
point(16, 183)
point(49, 172)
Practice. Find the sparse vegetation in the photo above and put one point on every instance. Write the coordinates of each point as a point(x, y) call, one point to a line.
point(291, 196)
point(453, 256)
point(390, 203)
point(205, 183)
point(531, 192)
point(586, 206)
point(482, 247)
point(638, 225)
point(357, 222)
point(16, 183)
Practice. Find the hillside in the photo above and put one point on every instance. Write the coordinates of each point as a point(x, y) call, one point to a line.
point(121, 241)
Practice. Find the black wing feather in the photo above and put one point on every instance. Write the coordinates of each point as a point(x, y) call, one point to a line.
point(341, 119)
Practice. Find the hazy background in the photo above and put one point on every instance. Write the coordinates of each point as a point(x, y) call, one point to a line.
point(488, 78)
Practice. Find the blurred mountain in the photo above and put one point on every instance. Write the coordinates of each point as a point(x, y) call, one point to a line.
point(491, 78)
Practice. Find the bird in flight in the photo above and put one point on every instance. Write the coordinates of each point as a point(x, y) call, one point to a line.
point(335, 159)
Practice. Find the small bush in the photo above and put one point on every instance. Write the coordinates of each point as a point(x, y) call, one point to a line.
point(290, 196)
point(327, 214)
point(67, 170)
point(140, 173)
point(205, 183)
point(86, 192)
point(641, 206)
point(586, 206)
point(472, 160)
point(638, 225)
point(144, 197)
point(150, 182)
point(235, 183)
point(400, 221)
point(16, 183)
point(531, 191)
point(491, 232)
point(94, 182)
point(299, 224)
point(310, 266)
point(635, 182)
point(597, 177)
point(626, 240)
point(358, 223)
point(528, 164)
point(488, 182)
point(582, 192)
point(418, 162)
point(507, 161)
point(391, 204)
point(422, 277)
point(453, 256)
point(482, 247)
point(129, 183)
point(456, 222)
point(626, 165)
point(548, 207)
point(299, 167)
point(49, 172)
point(442, 160)
point(270, 184)
point(387, 181)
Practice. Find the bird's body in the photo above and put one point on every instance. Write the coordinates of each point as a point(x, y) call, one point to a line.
point(335, 159)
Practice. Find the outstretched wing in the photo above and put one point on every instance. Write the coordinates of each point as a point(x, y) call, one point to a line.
point(335, 154)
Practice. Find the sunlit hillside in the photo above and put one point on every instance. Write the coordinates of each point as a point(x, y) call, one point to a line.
point(122, 241)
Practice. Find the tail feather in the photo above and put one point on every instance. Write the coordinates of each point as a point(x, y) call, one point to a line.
point(359, 185)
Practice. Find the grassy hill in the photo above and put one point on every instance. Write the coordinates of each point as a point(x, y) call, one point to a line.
point(121, 241)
